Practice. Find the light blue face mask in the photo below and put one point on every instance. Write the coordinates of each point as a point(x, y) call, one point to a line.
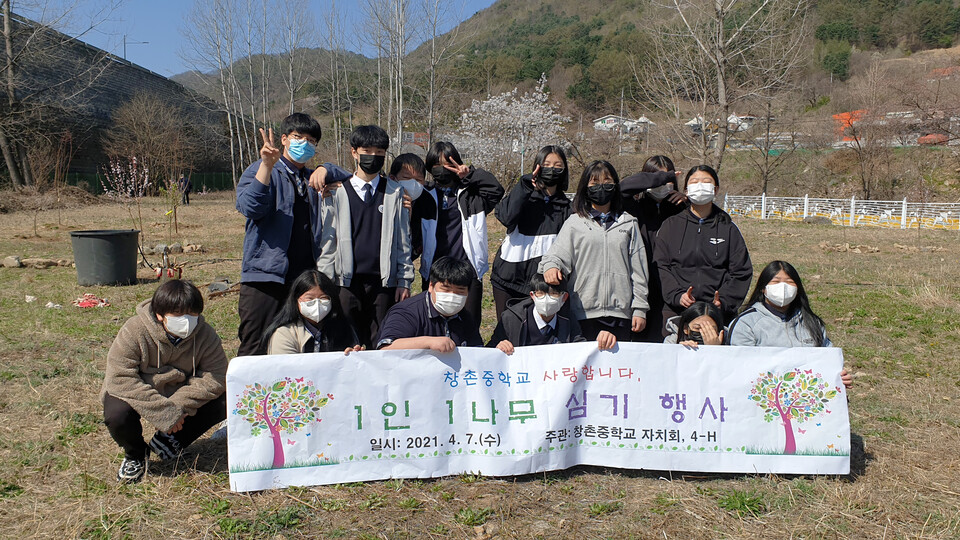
point(300, 150)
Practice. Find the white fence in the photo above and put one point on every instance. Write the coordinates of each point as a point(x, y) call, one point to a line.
point(848, 212)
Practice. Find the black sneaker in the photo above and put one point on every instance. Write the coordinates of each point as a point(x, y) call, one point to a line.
point(131, 470)
point(165, 446)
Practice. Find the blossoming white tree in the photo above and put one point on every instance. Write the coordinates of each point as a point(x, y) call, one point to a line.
point(502, 133)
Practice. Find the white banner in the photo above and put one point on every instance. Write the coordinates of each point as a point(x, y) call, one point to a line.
point(313, 419)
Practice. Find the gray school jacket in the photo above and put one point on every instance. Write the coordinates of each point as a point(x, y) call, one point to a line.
point(757, 326)
point(396, 263)
point(606, 270)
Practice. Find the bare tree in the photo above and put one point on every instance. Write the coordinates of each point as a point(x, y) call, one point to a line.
point(770, 147)
point(393, 19)
point(206, 50)
point(742, 48)
point(296, 36)
point(41, 77)
point(867, 133)
point(443, 46)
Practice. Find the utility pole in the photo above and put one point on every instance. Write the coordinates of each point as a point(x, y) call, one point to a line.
point(620, 124)
point(125, 42)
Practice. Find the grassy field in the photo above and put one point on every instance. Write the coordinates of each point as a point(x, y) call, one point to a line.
point(895, 313)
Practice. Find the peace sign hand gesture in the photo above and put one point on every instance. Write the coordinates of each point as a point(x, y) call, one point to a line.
point(269, 153)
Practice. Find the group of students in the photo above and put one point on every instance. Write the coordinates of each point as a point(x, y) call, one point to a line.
point(328, 266)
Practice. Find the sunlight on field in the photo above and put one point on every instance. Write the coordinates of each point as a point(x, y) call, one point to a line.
point(892, 304)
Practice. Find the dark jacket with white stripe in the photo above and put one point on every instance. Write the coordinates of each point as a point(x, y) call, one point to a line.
point(477, 196)
point(532, 223)
point(707, 254)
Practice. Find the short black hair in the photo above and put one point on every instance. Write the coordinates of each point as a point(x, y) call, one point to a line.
point(538, 284)
point(597, 169)
point(176, 296)
point(452, 271)
point(303, 124)
point(705, 168)
point(369, 137)
point(657, 164)
point(442, 149)
point(411, 161)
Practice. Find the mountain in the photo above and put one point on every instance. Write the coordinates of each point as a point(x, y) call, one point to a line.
point(583, 47)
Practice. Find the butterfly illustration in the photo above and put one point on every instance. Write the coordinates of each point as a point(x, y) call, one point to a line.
point(818, 425)
point(300, 379)
point(291, 442)
point(808, 371)
point(801, 431)
point(320, 455)
point(829, 411)
point(330, 396)
point(829, 446)
point(308, 434)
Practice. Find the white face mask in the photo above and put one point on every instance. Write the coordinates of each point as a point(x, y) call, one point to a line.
point(315, 309)
point(660, 193)
point(780, 294)
point(547, 306)
point(449, 304)
point(180, 326)
point(701, 193)
point(412, 188)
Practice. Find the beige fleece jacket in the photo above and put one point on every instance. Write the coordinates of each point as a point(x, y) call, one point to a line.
point(162, 381)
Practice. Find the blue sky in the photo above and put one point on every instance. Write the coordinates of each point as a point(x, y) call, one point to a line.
point(158, 23)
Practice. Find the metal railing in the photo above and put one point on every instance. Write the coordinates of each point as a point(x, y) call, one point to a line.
point(850, 212)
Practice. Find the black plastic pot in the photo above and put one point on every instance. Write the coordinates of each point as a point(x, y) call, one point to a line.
point(106, 257)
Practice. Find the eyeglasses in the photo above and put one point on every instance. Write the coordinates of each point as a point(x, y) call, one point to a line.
point(541, 294)
point(298, 137)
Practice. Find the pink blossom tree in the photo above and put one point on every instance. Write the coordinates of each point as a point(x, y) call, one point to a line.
point(286, 406)
point(795, 396)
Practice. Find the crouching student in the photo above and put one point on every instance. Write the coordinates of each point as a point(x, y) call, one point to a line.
point(167, 366)
point(311, 320)
point(699, 324)
point(536, 320)
point(778, 314)
point(434, 319)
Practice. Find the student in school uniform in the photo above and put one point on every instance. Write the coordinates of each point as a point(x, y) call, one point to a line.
point(373, 264)
point(434, 319)
point(539, 319)
point(284, 230)
point(451, 216)
point(533, 213)
point(600, 251)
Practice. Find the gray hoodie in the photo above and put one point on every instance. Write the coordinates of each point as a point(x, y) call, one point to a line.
point(758, 326)
point(606, 270)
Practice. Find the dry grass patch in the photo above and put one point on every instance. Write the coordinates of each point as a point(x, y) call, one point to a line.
point(894, 312)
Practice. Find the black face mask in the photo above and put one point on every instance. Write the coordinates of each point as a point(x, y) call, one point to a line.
point(601, 194)
point(370, 163)
point(443, 176)
point(550, 176)
point(693, 335)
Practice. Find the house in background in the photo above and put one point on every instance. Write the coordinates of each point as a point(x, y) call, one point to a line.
point(614, 122)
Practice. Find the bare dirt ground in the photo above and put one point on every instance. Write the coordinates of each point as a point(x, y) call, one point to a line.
point(894, 310)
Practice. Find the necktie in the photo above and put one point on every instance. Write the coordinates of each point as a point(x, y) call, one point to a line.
point(367, 195)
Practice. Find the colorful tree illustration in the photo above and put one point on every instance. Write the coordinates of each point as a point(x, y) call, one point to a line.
point(286, 406)
point(793, 396)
